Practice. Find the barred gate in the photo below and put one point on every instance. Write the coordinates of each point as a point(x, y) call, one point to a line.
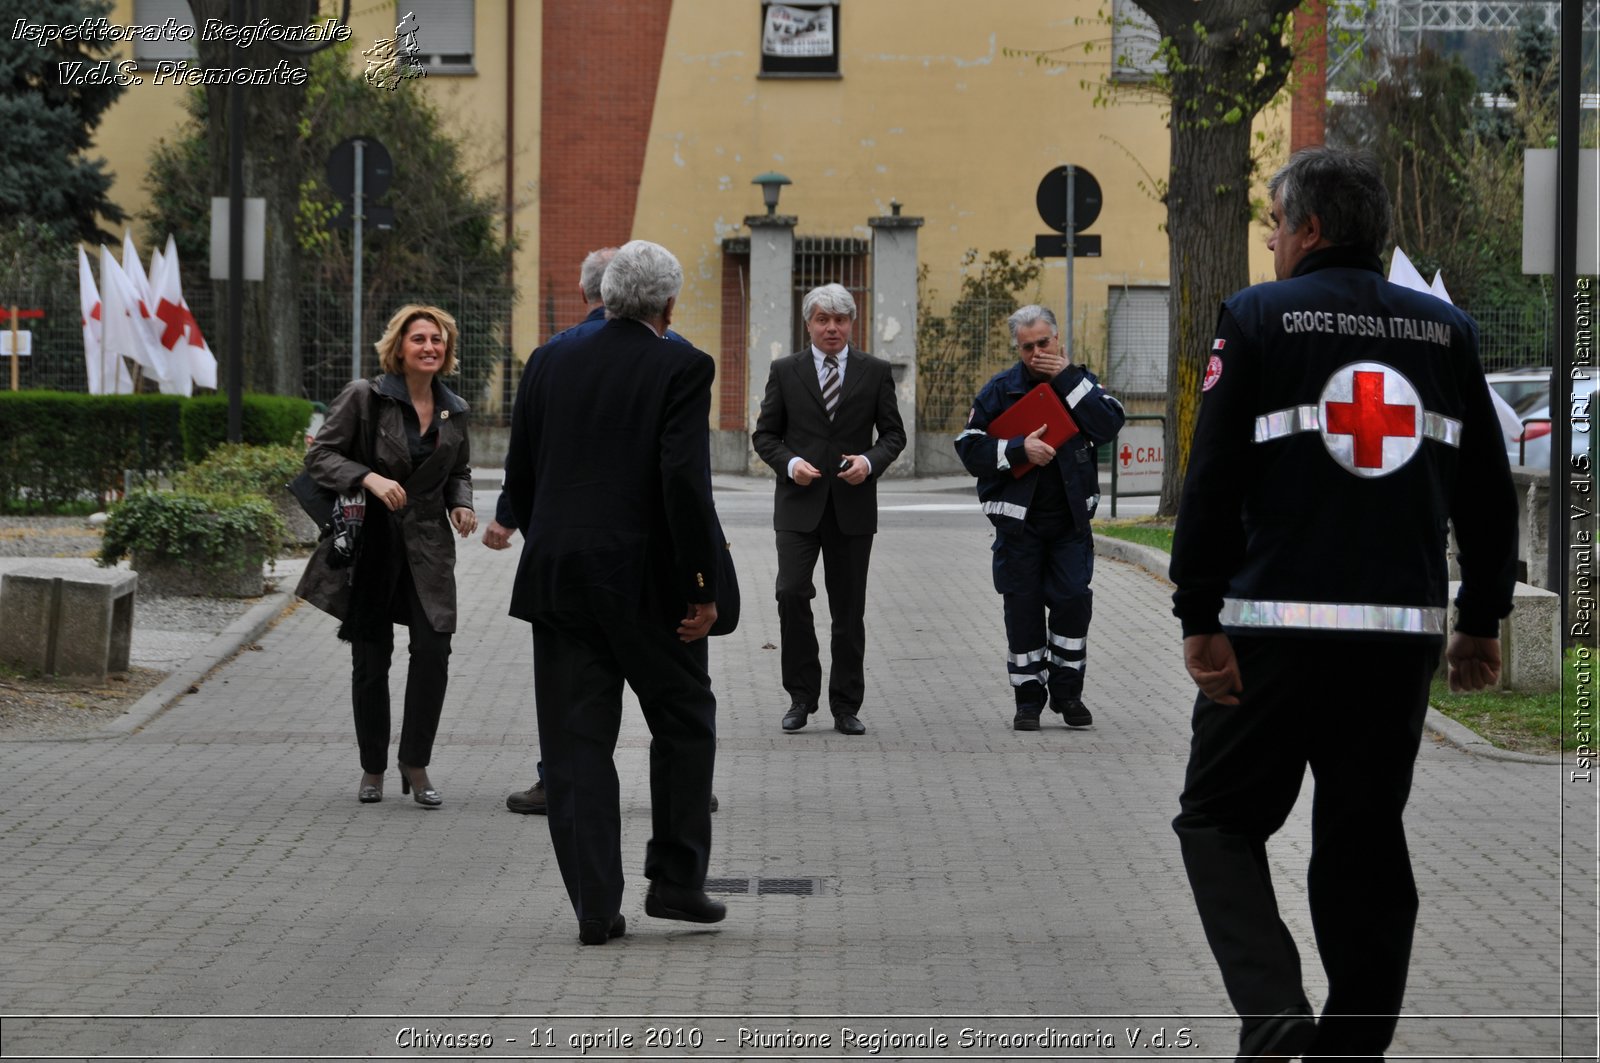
point(833, 260)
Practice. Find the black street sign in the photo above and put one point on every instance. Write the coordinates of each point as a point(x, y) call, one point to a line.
point(1054, 245)
point(373, 217)
point(1051, 199)
point(377, 168)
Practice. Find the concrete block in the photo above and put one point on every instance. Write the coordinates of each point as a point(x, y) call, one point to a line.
point(67, 620)
point(1530, 639)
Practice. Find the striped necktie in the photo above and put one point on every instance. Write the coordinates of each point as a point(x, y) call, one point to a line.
point(830, 383)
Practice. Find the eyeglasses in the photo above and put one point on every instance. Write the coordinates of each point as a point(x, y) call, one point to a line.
point(1043, 345)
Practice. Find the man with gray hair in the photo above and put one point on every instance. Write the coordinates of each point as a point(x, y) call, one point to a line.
point(818, 419)
point(497, 536)
point(1345, 422)
point(1040, 501)
point(609, 476)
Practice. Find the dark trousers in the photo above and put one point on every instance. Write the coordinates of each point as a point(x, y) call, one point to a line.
point(1042, 568)
point(844, 571)
point(1353, 711)
point(427, 676)
point(580, 661)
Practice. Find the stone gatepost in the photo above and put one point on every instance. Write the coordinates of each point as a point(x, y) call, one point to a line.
point(771, 308)
point(894, 317)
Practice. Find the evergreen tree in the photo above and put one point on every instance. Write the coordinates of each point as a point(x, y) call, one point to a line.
point(49, 120)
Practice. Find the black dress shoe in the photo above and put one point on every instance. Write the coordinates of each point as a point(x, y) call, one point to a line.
point(1025, 720)
point(847, 724)
point(795, 718)
point(666, 901)
point(1286, 1035)
point(600, 931)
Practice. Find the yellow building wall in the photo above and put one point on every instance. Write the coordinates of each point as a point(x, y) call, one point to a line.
point(474, 106)
point(929, 111)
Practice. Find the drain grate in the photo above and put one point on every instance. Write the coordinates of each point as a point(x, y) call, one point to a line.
point(793, 887)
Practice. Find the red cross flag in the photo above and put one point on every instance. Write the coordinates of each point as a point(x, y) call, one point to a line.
point(180, 332)
point(107, 373)
point(171, 373)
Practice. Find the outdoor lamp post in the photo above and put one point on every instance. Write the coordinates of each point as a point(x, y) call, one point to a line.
point(771, 184)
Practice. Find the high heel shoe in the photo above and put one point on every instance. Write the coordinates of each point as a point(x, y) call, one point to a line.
point(370, 792)
point(426, 795)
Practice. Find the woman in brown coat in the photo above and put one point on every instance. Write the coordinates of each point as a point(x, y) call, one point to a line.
point(401, 436)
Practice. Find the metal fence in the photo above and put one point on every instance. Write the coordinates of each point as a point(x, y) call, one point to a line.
point(485, 376)
point(485, 373)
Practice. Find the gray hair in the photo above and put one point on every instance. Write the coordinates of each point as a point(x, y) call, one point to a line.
point(589, 274)
point(640, 281)
point(1031, 314)
point(833, 298)
point(1343, 188)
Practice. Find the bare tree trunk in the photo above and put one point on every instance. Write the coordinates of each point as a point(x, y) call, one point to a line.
point(1228, 58)
point(1208, 228)
point(272, 165)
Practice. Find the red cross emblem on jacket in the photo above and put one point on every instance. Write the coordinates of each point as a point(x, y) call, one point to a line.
point(1371, 417)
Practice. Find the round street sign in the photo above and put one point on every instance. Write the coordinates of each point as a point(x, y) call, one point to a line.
point(1052, 199)
point(377, 169)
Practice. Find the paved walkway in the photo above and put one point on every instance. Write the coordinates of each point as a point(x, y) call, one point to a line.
point(942, 873)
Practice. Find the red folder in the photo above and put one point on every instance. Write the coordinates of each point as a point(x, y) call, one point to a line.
point(1041, 406)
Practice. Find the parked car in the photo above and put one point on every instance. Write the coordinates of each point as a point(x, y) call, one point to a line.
point(1532, 448)
point(1515, 385)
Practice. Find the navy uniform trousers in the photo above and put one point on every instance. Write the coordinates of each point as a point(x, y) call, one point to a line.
point(1351, 709)
point(1045, 565)
point(580, 661)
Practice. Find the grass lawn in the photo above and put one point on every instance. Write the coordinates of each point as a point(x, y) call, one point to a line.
point(1530, 723)
point(1146, 531)
point(1527, 722)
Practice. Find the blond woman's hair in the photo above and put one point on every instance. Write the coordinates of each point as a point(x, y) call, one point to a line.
point(394, 334)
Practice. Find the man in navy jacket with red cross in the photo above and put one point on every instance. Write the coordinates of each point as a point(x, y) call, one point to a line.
point(1345, 423)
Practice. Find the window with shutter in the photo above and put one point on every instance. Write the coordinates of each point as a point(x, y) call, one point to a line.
point(445, 33)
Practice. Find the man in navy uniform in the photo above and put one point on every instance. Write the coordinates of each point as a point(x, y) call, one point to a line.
point(1043, 551)
point(1345, 422)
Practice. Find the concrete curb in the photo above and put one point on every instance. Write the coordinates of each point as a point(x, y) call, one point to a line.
point(1442, 727)
point(224, 645)
point(1467, 740)
point(1149, 558)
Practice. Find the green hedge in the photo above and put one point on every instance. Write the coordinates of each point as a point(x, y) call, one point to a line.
point(56, 448)
point(242, 469)
point(265, 420)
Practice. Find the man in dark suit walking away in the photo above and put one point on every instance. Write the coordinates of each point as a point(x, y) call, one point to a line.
point(816, 429)
point(609, 476)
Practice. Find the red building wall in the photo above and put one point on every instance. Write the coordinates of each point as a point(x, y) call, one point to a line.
point(598, 87)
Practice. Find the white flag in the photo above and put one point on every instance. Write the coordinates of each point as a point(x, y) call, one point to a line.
point(1437, 287)
point(1403, 273)
point(108, 373)
point(180, 332)
point(125, 331)
point(174, 378)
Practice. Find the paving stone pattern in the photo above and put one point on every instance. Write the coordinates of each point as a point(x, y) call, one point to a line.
point(216, 862)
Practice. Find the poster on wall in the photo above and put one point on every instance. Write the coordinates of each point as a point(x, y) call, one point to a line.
point(798, 32)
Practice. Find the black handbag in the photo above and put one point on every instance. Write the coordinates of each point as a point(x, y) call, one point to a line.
point(727, 589)
point(318, 501)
